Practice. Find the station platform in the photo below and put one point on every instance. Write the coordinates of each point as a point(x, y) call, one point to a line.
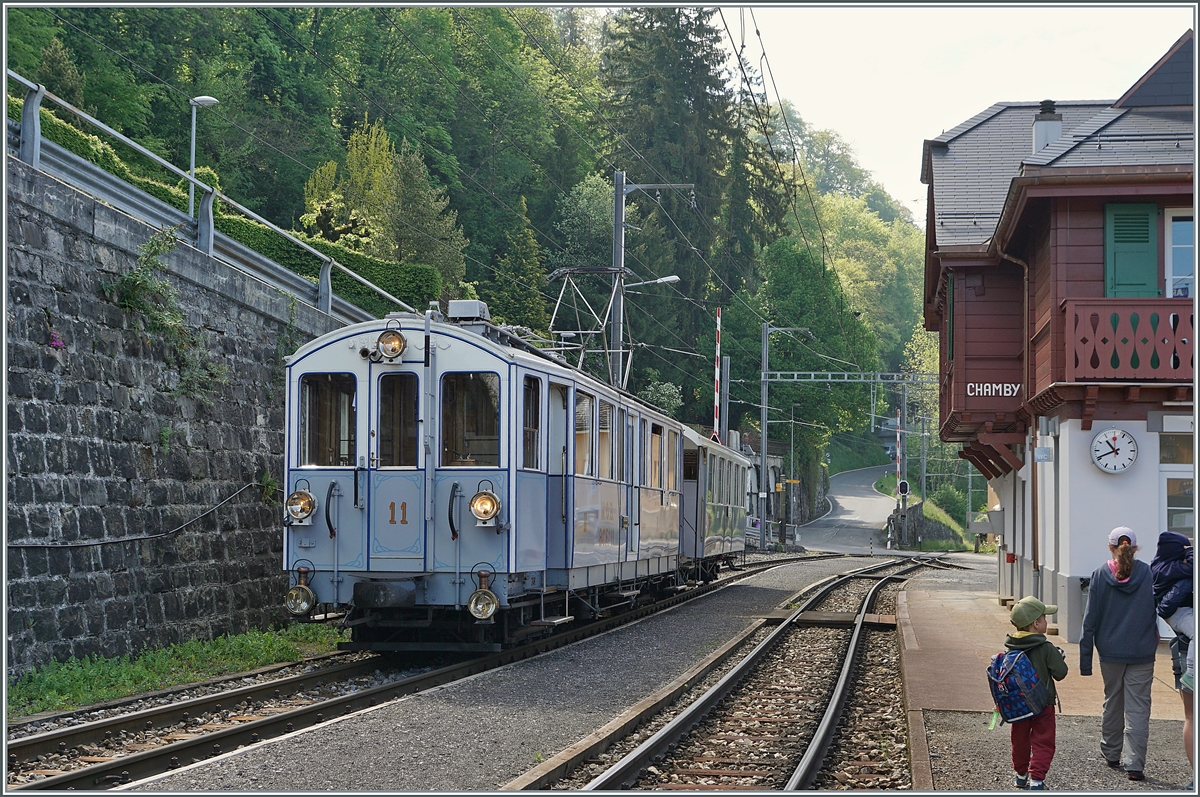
point(947, 640)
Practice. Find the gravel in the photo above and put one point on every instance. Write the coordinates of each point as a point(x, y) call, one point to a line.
point(479, 733)
point(966, 756)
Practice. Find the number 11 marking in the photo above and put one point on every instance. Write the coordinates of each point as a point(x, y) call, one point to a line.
point(403, 513)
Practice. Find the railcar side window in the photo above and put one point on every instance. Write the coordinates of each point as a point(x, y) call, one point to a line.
point(584, 465)
point(532, 423)
point(605, 440)
point(710, 483)
point(398, 396)
point(656, 455)
point(672, 456)
point(619, 453)
point(327, 419)
point(470, 420)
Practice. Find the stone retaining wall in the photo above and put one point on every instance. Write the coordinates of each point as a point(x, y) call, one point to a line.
point(105, 463)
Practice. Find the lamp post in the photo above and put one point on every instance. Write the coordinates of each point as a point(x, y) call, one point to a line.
point(619, 286)
point(195, 102)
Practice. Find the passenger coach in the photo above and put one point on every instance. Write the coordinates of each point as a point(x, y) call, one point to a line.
point(452, 487)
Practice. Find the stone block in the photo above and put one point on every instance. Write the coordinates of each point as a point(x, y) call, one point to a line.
point(52, 592)
point(43, 626)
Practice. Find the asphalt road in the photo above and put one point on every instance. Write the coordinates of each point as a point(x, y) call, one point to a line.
point(857, 521)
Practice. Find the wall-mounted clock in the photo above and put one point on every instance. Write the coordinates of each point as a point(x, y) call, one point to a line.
point(1114, 450)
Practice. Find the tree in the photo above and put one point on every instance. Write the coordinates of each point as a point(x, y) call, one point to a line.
point(58, 73)
point(514, 294)
point(665, 82)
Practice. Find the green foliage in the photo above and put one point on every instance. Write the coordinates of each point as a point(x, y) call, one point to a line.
point(62, 686)
point(953, 501)
point(514, 295)
point(664, 395)
point(270, 489)
point(153, 301)
point(852, 450)
point(413, 284)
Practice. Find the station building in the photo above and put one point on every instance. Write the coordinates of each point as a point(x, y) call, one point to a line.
point(1059, 275)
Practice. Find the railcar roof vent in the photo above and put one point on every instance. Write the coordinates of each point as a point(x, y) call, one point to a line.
point(468, 310)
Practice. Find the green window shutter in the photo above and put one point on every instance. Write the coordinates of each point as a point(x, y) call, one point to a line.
point(1131, 250)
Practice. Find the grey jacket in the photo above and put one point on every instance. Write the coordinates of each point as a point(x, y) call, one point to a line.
point(1119, 619)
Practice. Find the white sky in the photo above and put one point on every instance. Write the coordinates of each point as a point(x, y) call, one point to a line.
point(885, 79)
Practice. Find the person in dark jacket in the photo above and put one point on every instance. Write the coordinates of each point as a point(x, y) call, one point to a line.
point(1119, 622)
point(1033, 738)
point(1172, 569)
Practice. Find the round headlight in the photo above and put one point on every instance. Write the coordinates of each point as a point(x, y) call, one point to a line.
point(482, 604)
point(300, 504)
point(485, 505)
point(391, 344)
point(300, 600)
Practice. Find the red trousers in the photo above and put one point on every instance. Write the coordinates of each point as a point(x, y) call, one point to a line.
point(1033, 744)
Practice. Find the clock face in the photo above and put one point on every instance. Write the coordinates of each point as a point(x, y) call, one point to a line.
point(1114, 450)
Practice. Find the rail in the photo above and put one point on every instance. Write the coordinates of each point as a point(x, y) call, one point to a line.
point(625, 773)
point(31, 148)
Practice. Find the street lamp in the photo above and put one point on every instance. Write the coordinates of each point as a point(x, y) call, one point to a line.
point(659, 281)
point(195, 102)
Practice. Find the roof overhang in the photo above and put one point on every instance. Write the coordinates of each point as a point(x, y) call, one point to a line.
point(1038, 182)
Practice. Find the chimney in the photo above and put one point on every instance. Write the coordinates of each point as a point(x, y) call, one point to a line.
point(1047, 126)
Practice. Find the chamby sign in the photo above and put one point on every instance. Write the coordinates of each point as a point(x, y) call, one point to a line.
point(1006, 389)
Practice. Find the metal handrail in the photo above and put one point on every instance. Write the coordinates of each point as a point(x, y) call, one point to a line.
point(30, 152)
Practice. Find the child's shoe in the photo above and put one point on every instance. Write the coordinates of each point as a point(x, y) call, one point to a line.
point(1037, 785)
point(1188, 682)
point(1021, 781)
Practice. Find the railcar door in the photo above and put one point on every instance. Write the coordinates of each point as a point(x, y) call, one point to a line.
point(395, 469)
point(327, 459)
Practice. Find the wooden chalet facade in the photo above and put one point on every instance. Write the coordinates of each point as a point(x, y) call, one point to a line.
point(1060, 277)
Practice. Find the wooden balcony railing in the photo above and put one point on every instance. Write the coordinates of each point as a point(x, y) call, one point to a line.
point(1131, 340)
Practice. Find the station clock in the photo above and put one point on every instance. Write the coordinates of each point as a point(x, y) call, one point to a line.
point(1114, 450)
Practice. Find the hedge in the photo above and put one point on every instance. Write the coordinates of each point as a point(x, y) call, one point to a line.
point(412, 283)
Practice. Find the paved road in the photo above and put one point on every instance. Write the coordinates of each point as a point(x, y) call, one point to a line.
point(858, 518)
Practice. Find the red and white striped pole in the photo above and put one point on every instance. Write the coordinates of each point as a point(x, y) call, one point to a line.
point(717, 386)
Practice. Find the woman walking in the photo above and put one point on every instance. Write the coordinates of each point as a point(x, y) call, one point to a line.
point(1120, 621)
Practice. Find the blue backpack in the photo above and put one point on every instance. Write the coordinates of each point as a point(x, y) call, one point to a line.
point(1016, 688)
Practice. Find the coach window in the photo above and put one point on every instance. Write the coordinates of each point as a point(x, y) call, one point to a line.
point(470, 420)
point(619, 452)
point(397, 430)
point(656, 455)
point(584, 464)
point(672, 455)
point(605, 440)
point(709, 483)
point(327, 419)
point(531, 424)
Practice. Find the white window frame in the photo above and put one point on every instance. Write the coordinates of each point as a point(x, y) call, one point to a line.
point(1169, 215)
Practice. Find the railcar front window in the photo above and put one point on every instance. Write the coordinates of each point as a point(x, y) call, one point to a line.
point(470, 421)
point(397, 431)
point(327, 419)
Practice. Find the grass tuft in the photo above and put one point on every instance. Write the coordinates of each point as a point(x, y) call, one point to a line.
point(63, 686)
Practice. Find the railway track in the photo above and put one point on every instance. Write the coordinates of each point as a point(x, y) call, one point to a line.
point(769, 721)
point(122, 749)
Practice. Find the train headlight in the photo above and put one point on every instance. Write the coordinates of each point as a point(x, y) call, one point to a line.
point(482, 604)
point(391, 344)
point(300, 600)
point(300, 505)
point(485, 505)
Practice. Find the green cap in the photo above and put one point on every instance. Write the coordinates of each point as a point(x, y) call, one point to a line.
point(1028, 610)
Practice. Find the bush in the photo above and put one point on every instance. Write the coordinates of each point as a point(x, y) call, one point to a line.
point(952, 501)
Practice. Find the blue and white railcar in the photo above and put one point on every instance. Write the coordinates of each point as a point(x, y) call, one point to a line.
point(453, 488)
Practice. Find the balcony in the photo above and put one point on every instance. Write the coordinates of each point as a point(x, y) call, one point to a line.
point(1129, 340)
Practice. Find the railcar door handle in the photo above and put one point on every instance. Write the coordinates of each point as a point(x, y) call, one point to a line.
point(328, 504)
point(450, 511)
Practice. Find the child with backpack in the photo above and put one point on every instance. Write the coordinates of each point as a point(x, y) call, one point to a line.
point(1033, 737)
